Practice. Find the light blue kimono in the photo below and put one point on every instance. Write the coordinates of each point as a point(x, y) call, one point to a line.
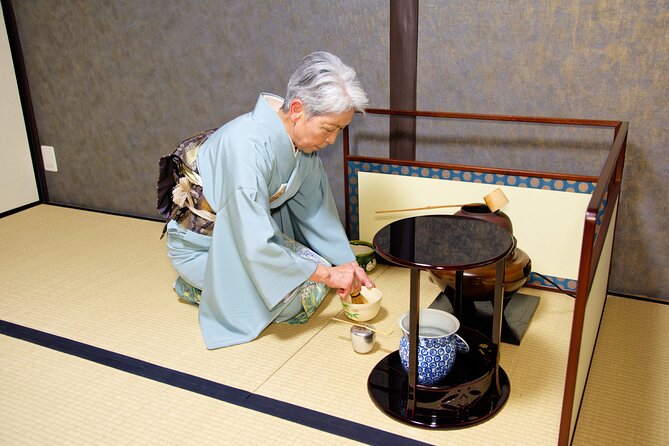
point(260, 189)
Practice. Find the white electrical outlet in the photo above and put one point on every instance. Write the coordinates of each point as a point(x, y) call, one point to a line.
point(49, 158)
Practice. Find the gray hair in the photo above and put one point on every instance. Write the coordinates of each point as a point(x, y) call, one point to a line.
point(325, 85)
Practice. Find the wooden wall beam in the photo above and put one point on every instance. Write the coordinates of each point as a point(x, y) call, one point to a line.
point(403, 69)
point(403, 73)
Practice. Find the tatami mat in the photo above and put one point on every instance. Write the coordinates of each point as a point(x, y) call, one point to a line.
point(105, 281)
point(629, 378)
point(536, 372)
point(51, 398)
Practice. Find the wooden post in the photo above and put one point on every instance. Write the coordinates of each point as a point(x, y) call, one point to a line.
point(403, 68)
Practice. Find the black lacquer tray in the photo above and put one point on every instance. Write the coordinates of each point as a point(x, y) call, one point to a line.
point(473, 392)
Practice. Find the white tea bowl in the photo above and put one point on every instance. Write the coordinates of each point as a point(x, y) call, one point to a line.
point(363, 312)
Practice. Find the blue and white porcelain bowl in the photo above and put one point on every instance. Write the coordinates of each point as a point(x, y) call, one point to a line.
point(438, 344)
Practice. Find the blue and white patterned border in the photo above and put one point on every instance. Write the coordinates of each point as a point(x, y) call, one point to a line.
point(565, 284)
point(472, 176)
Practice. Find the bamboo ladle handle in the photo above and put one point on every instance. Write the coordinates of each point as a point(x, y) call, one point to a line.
point(422, 208)
point(495, 201)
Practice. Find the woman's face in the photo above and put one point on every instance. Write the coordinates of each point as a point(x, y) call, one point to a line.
point(312, 134)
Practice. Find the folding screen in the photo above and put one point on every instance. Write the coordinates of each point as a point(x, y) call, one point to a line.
point(564, 222)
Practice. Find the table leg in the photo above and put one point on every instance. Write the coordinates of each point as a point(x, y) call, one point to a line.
point(457, 296)
point(498, 304)
point(414, 290)
point(497, 316)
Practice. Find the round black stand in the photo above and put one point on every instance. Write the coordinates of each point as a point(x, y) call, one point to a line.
point(476, 388)
point(473, 392)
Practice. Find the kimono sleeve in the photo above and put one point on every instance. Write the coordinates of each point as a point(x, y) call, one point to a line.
point(316, 219)
point(244, 249)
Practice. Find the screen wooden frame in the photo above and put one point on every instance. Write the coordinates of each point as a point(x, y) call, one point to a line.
point(598, 218)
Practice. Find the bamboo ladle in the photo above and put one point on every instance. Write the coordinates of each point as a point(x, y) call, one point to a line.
point(495, 201)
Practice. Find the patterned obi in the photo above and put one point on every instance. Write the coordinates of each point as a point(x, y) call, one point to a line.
point(179, 188)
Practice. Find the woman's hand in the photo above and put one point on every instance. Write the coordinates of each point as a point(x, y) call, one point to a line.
point(362, 275)
point(346, 278)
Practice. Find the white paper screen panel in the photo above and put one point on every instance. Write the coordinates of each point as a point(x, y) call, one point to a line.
point(548, 224)
point(592, 318)
point(18, 186)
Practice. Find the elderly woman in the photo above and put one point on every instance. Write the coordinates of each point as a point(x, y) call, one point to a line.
point(277, 245)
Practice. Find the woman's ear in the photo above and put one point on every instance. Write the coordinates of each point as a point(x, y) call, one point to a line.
point(296, 110)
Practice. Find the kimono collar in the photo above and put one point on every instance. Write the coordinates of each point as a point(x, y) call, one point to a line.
point(266, 113)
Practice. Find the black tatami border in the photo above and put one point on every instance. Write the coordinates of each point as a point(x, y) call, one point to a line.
point(276, 408)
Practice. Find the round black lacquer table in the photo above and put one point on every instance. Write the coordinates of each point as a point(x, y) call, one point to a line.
point(477, 387)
